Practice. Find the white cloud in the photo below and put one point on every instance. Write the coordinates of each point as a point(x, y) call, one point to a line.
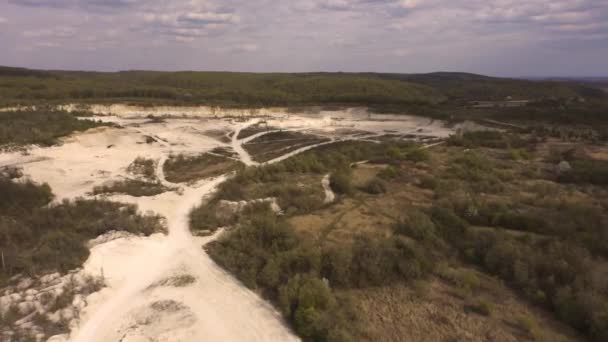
point(248, 47)
point(311, 34)
point(55, 32)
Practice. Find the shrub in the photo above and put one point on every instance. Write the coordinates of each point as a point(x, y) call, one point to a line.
point(265, 253)
point(42, 127)
point(36, 238)
point(449, 226)
point(375, 186)
point(131, 187)
point(528, 325)
point(586, 171)
point(144, 167)
point(390, 172)
point(417, 225)
point(418, 155)
point(519, 154)
point(428, 182)
point(483, 307)
point(341, 182)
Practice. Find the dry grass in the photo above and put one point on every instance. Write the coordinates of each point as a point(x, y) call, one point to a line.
point(431, 311)
point(273, 145)
point(183, 169)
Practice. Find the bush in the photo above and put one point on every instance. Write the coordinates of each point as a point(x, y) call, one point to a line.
point(417, 225)
point(519, 154)
point(418, 155)
point(131, 187)
point(265, 253)
point(144, 167)
point(390, 172)
point(341, 182)
point(449, 226)
point(528, 325)
point(428, 182)
point(483, 307)
point(375, 186)
point(42, 127)
point(36, 237)
point(586, 171)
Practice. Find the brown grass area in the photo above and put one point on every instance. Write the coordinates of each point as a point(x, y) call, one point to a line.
point(254, 129)
point(218, 134)
point(182, 169)
point(273, 145)
point(364, 173)
point(436, 311)
point(341, 222)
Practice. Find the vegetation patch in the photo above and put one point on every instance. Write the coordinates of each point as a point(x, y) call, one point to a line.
point(37, 238)
point(470, 206)
point(41, 127)
point(131, 187)
point(183, 169)
point(143, 167)
point(276, 144)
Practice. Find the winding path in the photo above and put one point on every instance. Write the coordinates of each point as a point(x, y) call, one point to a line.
point(216, 307)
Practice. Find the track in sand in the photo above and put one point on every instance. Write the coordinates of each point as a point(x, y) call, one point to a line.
point(144, 299)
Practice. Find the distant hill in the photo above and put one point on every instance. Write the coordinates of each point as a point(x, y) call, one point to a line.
point(22, 72)
point(446, 95)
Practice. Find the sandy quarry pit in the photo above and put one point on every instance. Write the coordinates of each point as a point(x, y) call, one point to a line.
point(139, 302)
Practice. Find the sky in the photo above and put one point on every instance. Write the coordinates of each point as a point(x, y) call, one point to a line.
point(494, 37)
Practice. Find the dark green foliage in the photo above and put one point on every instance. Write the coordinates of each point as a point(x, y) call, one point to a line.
point(204, 217)
point(41, 127)
point(448, 224)
point(265, 253)
point(375, 186)
point(131, 187)
point(483, 308)
point(36, 238)
point(551, 272)
point(428, 182)
point(586, 171)
point(377, 262)
point(464, 87)
point(390, 172)
point(18, 197)
point(481, 173)
point(143, 167)
point(417, 225)
point(182, 169)
point(214, 88)
point(492, 139)
point(417, 155)
point(341, 181)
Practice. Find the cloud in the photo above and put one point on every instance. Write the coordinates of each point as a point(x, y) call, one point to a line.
point(336, 5)
point(247, 47)
point(110, 4)
point(56, 32)
point(382, 35)
point(3, 20)
point(184, 25)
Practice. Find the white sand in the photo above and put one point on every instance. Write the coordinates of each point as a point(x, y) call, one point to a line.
point(216, 307)
point(329, 193)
